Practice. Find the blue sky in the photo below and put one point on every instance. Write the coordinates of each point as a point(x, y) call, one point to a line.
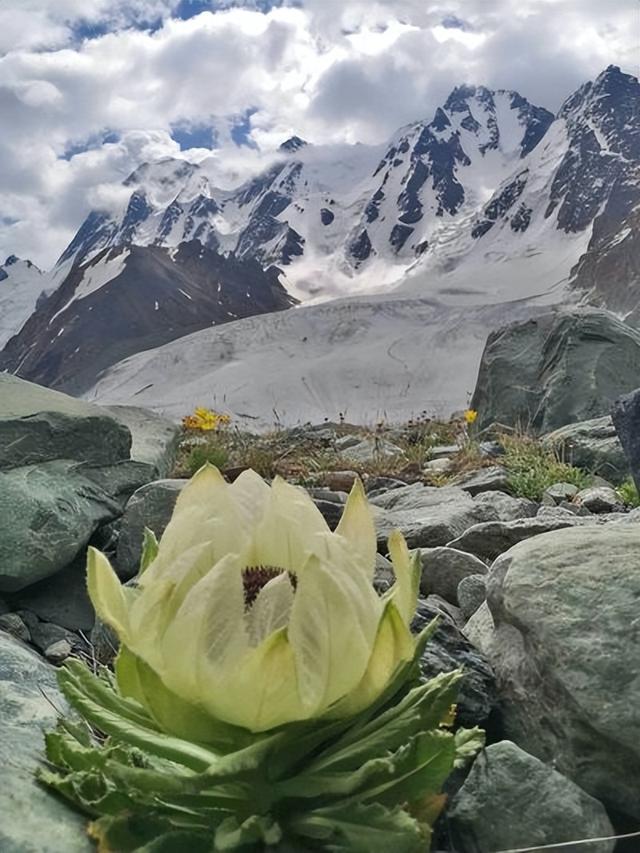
point(91, 88)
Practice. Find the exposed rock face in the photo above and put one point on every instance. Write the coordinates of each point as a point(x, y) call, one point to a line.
point(125, 300)
point(626, 417)
point(556, 369)
point(511, 799)
point(592, 445)
point(566, 653)
point(33, 821)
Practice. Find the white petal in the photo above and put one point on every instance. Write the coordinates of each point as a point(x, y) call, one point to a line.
point(407, 569)
point(270, 610)
point(262, 692)
point(207, 634)
point(285, 536)
point(332, 630)
point(251, 495)
point(106, 593)
point(205, 512)
point(358, 528)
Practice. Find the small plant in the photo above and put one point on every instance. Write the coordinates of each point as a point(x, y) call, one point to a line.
point(214, 454)
point(205, 420)
point(242, 716)
point(628, 492)
point(533, 468)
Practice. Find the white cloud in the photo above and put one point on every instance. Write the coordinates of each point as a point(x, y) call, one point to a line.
point(330, 71)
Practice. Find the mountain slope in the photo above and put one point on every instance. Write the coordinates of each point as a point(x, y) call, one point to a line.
point(331, 213)
point(129, 299)
point(21, 284)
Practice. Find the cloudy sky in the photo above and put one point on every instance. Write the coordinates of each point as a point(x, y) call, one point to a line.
point(91, 88)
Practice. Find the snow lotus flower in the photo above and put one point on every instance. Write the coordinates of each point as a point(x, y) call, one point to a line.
point(251, 613)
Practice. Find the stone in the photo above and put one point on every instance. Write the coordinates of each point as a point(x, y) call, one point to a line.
point(427, 516)
point(560, 492)
point(154, 438)
point(566, 652)
point(506, 507)
point(382, 484)
point(150, 506)
point(46, 634)
point(491, 449)
point(40, 425)
point(13, 624)
point(511, 800)
point(48, 513)
point(626, 419)
point(383, 576)
point(33, 819)
point(62, 599)
point(492, 538)
point(58, 652)
point(558, 368)
point(599, 499)
point(447, 650)
point(438, 466)
point(340, 481)
point(495, 479)
point(443, 451)
point(480, 628)
point(472, 592)
point(369, 450)
point(592, 445)
point(444, 568)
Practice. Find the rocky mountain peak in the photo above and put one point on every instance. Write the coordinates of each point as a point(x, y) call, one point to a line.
point(294, 143)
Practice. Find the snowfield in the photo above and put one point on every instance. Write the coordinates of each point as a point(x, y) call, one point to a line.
point(367, 359)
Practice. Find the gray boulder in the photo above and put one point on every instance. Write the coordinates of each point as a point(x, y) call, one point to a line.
point(560, 492)
point(48, 513)
point(447, 650)
point(626, 418)
point(444, 568)
point(154, 438)
point(367, 449)
point(472, 592)
point(150, 506)
point(492, 538)
point(599, 499)
point(566, 653)
point(494, 479)
point(33, 820)
point(39, 425)
point(428, 516)
point(592, 445)
point(62, 599)
point(511, 800)
point(556, 369)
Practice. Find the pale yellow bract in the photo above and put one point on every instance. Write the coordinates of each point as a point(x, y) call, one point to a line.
point(315, 638)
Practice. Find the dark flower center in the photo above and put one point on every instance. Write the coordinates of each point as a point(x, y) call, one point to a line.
point(255, 577)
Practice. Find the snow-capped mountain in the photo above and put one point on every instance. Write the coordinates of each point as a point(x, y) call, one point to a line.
point(330, 212)
point(546, 229)
point(130, 298)
point(21, 285)
point(487, 213)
